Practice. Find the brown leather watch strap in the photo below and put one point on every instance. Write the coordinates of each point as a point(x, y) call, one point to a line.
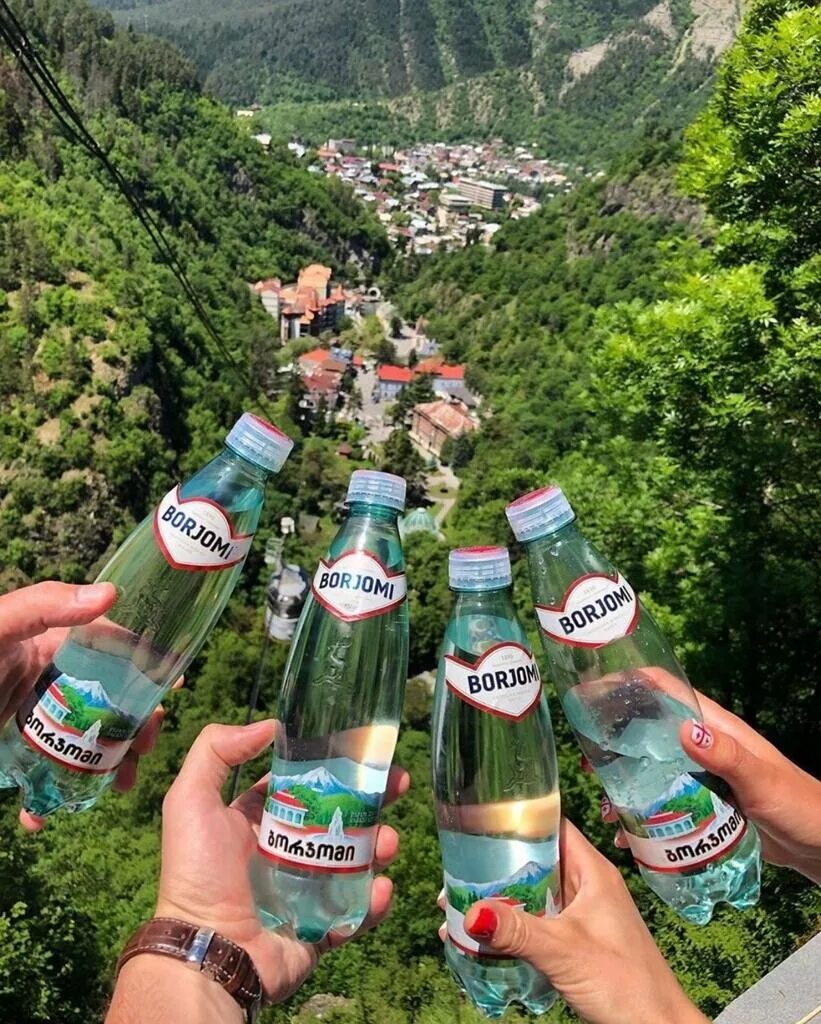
point(202, 949)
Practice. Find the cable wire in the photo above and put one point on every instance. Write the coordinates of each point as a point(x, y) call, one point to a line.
point(72, 124)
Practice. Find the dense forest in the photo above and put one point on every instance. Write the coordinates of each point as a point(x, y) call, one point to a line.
point(580, 77)
point(651, 341)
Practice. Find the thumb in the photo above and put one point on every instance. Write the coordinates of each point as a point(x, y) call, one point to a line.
point(750, 777)
point(504, 930)
point(32, 610)
point(216, 750)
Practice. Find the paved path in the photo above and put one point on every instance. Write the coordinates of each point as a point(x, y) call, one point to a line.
point(443, 476)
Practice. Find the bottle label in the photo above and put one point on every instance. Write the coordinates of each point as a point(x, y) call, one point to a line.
point(595, 610)
point(76, 724)
point(505, 681)
point(357, 586)
point(196, 534)
point(685, 829)
point(533, 889)
point(315, 822)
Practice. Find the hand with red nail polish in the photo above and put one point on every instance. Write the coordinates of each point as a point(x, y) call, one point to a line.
point(34, 621)
point(598, 952)
point(783, 801)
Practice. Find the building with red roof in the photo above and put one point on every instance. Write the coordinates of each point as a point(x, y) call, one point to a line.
point(310, 306)
point(287, 808)
point(664, 824)
point(445, 378)
point(390, 380)
point(432, 423)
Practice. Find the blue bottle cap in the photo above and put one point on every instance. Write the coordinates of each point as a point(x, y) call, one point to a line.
point(259, 442)
point(376, 488)
point(479, 569)
point(539, 512)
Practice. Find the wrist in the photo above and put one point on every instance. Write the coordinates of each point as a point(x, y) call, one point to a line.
point(153, 989)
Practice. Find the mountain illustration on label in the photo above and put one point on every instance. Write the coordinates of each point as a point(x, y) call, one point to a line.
point(595, 610)
point(316, 822)
point(358, 586)
point(530, 889)
point(84, 705)
point(687, 826)
point(75, 723)
point(323, 800)
point(196, 534)
point(504, 681)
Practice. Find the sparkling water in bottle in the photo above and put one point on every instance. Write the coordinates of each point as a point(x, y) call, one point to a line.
point(495, 780)
point(338, 718)
point(174, 575)
point(625, 695)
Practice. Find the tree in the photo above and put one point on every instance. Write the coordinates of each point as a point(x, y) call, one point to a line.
point(457, 451)
point(396, 326)
point(400, 457)
point(418, 391)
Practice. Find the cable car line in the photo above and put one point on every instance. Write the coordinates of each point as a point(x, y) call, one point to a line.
point(61, 108)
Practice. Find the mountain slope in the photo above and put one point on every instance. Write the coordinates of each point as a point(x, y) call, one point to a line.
point(109, 386)
point(580, 77)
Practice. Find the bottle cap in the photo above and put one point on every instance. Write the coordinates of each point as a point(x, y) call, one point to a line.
point(376, 488)
point(479, 569)
point(259, 442)
point(539, 512)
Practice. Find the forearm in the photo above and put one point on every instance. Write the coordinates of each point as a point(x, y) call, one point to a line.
point(155, 989)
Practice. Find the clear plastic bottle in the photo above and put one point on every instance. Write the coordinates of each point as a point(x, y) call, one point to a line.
point(174, 575)
point(625, 696)
point(338, 715)
point(495, 779)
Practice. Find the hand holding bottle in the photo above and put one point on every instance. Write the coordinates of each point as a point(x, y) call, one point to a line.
point(34, 621)
point(598, 952)
point(207, 848)
point(783, 801)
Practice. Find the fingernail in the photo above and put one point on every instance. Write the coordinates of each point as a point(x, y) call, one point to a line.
point(96, 594)
point(606, 807)
point(484, 925)
point(701, 735)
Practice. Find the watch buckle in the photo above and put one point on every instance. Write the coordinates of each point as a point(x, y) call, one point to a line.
point(198, 948)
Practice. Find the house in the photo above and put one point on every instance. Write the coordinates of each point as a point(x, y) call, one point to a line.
point(668, 823)
point(320, 360)
point(288, 809)
point(390, 380)
point(445, 378)
point(432, 423)
point(318, 386)
point(310, 306)
point(482, 193)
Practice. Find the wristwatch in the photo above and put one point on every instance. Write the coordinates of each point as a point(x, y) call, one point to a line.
point(201, 949)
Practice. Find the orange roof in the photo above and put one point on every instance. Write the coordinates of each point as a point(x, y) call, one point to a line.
point(316, 355)
point(325, 382)
point(448, 416)
point(315, 276)
point(451, 372)
point(395, 374)
point(430, 365)
point(270, 284)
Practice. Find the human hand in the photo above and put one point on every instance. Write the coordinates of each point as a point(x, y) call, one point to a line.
point(597, 952)
point(34, 622)
point(781, 800)
point(207, 849)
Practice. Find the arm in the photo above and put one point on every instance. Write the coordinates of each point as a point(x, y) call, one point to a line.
point(156, 989)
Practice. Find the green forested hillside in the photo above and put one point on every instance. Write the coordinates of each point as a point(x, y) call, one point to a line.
point(580, 78)
point(653, 353)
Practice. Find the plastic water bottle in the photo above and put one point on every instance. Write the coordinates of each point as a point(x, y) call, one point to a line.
point(174, 575)
point(495, 780)
point(338, 714)
point(625, 696)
